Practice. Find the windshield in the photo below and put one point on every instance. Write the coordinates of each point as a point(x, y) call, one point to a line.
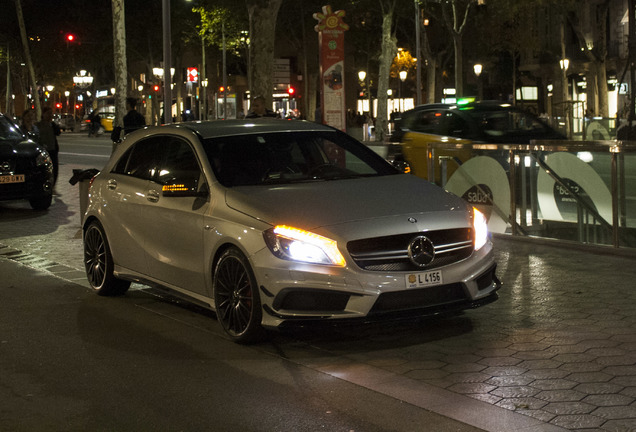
point(9, 130)
point(289, 157)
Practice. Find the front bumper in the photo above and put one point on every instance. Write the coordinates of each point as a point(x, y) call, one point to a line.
point(298, 295)
point(36, 183)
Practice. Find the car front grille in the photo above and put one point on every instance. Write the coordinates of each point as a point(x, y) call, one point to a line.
point(19, 165)
point(390, 253)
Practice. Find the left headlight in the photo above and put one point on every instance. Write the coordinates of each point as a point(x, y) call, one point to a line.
point(480, 224)
point(295, 244)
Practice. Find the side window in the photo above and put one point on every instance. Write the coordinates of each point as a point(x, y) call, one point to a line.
point(455, 125)
point(120, 167)
point(428, 122)
point(179, 161)
point(141, 160)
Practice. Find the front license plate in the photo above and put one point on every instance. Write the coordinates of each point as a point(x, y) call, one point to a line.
point(419, 280)
point(18, 178)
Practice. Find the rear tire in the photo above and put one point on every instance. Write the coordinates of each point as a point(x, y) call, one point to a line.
point(236, 298)
point(98, 261)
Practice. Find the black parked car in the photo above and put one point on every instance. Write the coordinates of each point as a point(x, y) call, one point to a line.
point(26, 169)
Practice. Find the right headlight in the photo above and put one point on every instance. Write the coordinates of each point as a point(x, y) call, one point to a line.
point(43, 159)
point(295, 244)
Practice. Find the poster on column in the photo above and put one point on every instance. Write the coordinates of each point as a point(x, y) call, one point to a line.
point(331, 30)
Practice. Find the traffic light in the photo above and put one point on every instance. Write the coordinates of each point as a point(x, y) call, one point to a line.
point(58, 105)
point(221, 89)
point(291, 92)
point(70, 37)
point(156, 87)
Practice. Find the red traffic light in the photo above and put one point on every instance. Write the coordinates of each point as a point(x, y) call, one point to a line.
point(70, 37)
point(58, 105)
point(291, 91)
point(156, 87)
point(221, 89)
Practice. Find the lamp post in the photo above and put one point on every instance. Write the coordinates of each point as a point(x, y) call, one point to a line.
point(361, 77)
point(402, 74)
point(565, 63)
point(82, 81)
point(478, 68)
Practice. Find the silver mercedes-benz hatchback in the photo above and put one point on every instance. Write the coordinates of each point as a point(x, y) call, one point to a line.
point(274, 222)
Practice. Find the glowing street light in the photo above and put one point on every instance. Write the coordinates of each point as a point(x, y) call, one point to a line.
point(477, 68)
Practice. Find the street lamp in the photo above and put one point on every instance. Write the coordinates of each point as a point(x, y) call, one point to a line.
point(478, 68)
point(362, 76)
point(402, 74)
point(564, 63)
point(82, 81)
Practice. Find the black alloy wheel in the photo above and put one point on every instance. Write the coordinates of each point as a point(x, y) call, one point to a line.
point(98, 262)
point(236, 297)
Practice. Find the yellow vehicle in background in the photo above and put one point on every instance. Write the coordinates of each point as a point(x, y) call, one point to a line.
point(107, 119)
point(459, 125)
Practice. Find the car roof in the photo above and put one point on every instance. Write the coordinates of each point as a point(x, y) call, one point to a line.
point(475, 106)
point(216, 128)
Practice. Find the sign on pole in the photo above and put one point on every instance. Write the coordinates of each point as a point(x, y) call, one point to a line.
point(331, 30)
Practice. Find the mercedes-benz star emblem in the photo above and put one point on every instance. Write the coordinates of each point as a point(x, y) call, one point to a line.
point(421, 251)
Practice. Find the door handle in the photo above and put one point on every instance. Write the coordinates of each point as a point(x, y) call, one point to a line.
point(152, 195)
point(112, 184)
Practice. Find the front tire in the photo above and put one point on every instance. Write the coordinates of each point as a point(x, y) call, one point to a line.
point(98, 261)
point(42, 201)
point(236, 297)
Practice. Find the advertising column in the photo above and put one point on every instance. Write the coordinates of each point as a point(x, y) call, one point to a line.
point(331, 30)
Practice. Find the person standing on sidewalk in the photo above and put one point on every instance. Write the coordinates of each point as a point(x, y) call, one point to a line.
point(27, 125)
point(133, 120)
point(49, 131)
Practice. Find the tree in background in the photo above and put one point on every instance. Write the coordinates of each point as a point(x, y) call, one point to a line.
point(120, 64)
point(27, 56)
point(262, 19)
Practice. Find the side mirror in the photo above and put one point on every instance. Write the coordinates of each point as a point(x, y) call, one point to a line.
point(183, 188)
point(402, 166)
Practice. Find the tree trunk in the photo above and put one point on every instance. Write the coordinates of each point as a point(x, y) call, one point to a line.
point(120, 61)
point(601, 55)
point(389, 49)
point(431, 80)
point(459, 65)
point(262, 17)
point(27, 56)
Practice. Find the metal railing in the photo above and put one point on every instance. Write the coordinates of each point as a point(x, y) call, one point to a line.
point(580, 191)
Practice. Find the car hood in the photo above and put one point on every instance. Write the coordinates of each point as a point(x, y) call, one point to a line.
point(11, 148)
point(351, 203)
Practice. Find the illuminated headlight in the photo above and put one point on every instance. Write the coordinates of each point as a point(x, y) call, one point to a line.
point(298, 245)
point(42, 159)
point(480, 224)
